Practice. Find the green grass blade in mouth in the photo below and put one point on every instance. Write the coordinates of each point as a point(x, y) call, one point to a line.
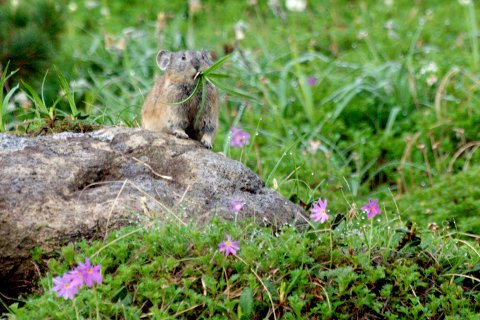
point(216, 65)
point(235, 92)
point(202, 104)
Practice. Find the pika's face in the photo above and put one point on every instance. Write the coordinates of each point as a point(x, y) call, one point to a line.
point(186, 64)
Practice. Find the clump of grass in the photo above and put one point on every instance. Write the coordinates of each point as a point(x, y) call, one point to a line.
point(51, 118)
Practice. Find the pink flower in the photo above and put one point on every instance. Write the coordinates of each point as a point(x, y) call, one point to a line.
point(229, 246)
point(91, 274)
point(64, 287)
point(371, 208)
point(311, 81)
point(237, 205)
point(239, 138)
point(319, 211)
point(69, 284)
point(76, 278)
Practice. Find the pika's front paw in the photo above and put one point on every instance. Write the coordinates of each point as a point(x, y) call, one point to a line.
point(206, 141)
point(180, 134)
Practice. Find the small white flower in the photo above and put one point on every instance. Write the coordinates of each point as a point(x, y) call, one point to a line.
point(389, 25)
point(275, 184)
point(20, 97)
point(273, 3)
point(104, 11)
point(276, 8)
point(388, 3)
point(91, 4)
point(72, 6)
point(464, 2)
point(431, 80)
point(429, 68)
point(240, 29)
point(362, 34)
point(79, 84)
point(313, 146)
point(296, 5)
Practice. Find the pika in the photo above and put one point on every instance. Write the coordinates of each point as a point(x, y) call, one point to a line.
point(162, 110)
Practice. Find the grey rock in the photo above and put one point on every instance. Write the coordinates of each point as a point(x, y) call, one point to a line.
point(68, 187)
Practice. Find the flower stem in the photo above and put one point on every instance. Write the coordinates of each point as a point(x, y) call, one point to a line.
point(77, 315)
point(370, 239)
point(97, 309)
point(331, 247)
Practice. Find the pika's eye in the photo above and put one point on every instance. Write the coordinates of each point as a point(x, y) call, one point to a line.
point(184, 57)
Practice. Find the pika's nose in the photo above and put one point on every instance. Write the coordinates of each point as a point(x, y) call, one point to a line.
point(196, 63)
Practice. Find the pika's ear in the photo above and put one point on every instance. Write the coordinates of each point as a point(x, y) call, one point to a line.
point(209, 55)
point(163, 59)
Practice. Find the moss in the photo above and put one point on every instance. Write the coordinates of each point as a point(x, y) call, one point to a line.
point(452, 201)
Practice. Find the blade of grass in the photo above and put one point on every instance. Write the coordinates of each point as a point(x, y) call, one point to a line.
point(202, 103)
point(218, 75)
point(38, 102)
point(43, 87)
point(391, 120)
point(234, 92)
point(284, 154)
point(216, 65)
point(4, 101)
point(4, 107)
point(68, 92)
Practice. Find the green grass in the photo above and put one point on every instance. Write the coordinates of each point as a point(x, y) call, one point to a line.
point(375, 270)
point(393, 115)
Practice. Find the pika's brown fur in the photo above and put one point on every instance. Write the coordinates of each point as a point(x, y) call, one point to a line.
point(161, 111)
